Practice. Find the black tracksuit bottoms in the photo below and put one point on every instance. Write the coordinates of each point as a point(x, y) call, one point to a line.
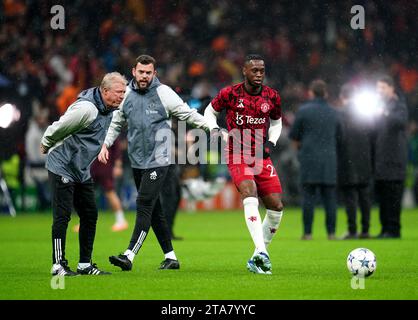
point(64, 196)
point(149, 212)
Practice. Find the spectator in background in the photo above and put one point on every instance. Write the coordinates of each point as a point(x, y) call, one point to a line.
point(413, 156)
point(314, 134)
point(35, 159)
point(354, 164)
point(390, 157)
point(170, 194)
point(104, 175)
point(170, 197)
point(68, 96)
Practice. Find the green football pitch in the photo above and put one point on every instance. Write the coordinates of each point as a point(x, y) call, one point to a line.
point(213, 259)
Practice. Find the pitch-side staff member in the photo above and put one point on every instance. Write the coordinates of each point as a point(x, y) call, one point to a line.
point(72, 143)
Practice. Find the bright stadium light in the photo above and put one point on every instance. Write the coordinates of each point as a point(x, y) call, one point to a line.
point(367, 103)
point(8, 114)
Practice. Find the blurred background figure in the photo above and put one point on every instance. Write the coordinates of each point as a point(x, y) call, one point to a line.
point(170, 197)
point(170, 194)
point(12, 133)
point(314, 133)
point(390, 157)
point(354, 162)
point(104, 176)
point(413, 158)
point(36, 160)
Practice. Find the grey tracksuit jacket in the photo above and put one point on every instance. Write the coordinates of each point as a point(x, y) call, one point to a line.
point(75, 140)
point(148, 118)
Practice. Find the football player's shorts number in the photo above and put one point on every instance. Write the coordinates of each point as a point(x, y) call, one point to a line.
point(272, 174)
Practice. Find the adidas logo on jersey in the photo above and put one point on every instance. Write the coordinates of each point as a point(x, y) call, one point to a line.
point(240, 105)
point(153, 175)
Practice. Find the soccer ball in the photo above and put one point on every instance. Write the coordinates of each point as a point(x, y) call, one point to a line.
point(361, 262)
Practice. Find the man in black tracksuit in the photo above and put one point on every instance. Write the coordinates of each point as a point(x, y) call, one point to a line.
point(390, 157)
point(73, 143)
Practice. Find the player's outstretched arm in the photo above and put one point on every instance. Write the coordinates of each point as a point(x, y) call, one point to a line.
point(118, 121)
point(175, 106)
point(275, 130)
point(211, 117)
point(273, 136)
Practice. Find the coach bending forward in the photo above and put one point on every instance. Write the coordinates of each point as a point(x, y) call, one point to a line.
point(72, 144)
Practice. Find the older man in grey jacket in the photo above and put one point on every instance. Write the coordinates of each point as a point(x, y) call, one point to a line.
point(147, 110)
point(72, 144)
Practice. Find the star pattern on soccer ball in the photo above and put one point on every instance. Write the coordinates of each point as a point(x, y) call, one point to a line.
point(273, 230)
point(365, 263)
point(252, 218)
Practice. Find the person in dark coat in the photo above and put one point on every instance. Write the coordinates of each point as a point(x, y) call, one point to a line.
point(390, 158)
point(354, 163)
point(314, 134)
point(170, 197)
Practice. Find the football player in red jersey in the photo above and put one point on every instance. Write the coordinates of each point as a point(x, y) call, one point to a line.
point(253, 112)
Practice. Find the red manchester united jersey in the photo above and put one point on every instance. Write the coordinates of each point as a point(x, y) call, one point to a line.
point(248, 115)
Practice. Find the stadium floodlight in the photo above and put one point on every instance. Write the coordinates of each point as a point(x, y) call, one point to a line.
point(367, 103)
point(8, 114)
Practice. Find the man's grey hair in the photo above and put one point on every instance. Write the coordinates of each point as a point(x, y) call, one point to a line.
point(110, 78)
